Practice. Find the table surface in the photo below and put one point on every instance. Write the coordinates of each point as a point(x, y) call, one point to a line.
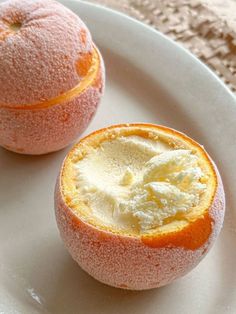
point(206, 27)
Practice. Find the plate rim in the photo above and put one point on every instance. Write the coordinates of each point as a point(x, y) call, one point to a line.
point(187, 52)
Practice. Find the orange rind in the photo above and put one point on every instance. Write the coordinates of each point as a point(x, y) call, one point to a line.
point(51, 76)
point(131, 257)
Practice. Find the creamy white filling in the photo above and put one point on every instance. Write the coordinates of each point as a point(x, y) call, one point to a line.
point(132, 182)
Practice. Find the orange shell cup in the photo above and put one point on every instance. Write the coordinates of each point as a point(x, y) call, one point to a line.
point(140, 263)
point(50, 88)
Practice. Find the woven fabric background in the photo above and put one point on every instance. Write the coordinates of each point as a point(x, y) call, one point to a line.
point(206, 27)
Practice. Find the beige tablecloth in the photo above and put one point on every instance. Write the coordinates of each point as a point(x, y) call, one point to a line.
point(206, 27)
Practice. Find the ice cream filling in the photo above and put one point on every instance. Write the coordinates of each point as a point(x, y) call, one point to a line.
point(139, 183)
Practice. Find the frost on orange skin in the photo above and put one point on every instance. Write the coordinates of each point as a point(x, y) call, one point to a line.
point(45, 105)
point(50, 35)
point(49, 127)
point(83, 36)
point(91, 71)
point(133, 261)
point(4, 34)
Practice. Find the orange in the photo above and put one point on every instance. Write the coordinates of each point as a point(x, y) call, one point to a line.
point(51, 76)
point(133, 259)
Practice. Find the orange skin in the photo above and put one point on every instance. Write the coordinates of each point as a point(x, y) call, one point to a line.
point(132, 262)
point(50, 126)
point(52, 76)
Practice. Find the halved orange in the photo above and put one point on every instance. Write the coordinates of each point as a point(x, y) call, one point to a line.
point(124, 252)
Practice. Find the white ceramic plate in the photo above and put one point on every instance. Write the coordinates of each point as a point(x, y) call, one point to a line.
point(149, 79)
